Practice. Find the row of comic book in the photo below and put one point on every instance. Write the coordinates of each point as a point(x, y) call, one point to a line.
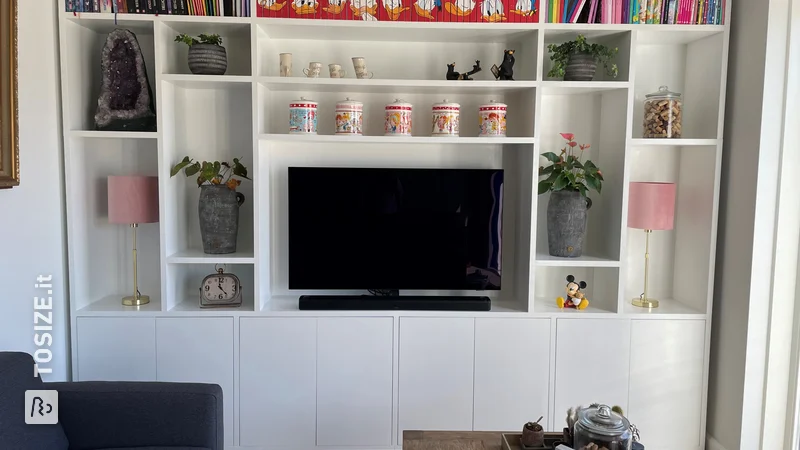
point(404, 10)
point(231, 8)
point(688, 12)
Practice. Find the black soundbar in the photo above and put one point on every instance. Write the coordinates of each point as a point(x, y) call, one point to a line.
point(404, 302)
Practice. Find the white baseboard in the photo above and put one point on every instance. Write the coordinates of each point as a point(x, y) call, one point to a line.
point(713, 444)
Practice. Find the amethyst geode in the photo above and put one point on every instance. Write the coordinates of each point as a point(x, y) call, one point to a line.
point(126, 101)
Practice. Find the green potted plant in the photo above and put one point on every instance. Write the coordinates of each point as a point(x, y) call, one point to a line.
point(577, 60)
point(568, 178)
point(207, 56)
point(219, 203)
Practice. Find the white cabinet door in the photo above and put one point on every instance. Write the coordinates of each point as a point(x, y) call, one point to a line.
point(116, 349)
point(354, 381)
point(277, 371)
point(512, 372)
point(666, 390)
point(436, 374)
point(592, 358)
point(198, 350)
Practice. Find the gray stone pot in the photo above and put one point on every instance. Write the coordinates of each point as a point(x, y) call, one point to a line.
point(208, 59)
point(566, 223)
point(219, 218)
point(580, 67)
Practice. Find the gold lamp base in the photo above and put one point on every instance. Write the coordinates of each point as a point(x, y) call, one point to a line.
point(645, 302)
point(137, 300)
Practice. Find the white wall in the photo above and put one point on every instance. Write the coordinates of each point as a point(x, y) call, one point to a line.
point(32, 236)
point(742, 337)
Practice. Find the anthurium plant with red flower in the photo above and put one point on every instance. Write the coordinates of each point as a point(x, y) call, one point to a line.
point(568, 171)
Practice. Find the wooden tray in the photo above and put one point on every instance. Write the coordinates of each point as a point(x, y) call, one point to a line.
point(511, 441)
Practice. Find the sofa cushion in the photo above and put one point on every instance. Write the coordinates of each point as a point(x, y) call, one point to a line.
point(16, 377)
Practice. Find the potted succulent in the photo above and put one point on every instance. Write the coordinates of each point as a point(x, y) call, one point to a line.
point(568, 178)
point(577, 60)
point(207, 56)
point(219, 203)
point(533, 434)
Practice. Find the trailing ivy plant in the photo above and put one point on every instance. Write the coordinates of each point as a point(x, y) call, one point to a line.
point(568, 171)
point(213, 39)
point(562, 52)
point(212, 173)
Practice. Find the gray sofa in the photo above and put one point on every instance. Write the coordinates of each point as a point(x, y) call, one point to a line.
point(109, 415)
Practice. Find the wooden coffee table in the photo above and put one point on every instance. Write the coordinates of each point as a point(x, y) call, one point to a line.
point(454, 440)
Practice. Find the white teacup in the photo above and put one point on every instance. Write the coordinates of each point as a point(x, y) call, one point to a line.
point(313, 70)
point(360, 66)
point(336, 71)
point(286, 64)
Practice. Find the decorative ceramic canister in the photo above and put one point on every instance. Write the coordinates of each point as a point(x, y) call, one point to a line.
point(303, 117)
point(492, 119)
point(398, 119)
point(444, 121)
point(349, 117)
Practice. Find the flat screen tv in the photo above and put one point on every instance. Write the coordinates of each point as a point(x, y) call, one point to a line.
point(418, 229)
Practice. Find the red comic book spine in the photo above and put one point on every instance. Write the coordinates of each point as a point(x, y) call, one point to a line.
point(395, 10)
point(334, 9)
point(428, 11)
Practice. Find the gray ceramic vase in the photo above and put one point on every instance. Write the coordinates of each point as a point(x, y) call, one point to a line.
point(208, 59)
point(580, 67)
point(219, 218)
point(566, 223)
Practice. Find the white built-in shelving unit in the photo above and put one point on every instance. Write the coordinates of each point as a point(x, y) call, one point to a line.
point(245, 114)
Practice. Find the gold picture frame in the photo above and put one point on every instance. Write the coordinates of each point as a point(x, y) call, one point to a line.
point(9, 109)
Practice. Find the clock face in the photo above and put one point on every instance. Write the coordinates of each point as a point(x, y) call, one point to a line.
point(220, 288)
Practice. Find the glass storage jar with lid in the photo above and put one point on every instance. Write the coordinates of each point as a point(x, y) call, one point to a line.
point(663, 111)
point(600, 428)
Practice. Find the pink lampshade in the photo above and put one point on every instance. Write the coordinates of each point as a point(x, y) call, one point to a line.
point(132, 199)
point(651, 206)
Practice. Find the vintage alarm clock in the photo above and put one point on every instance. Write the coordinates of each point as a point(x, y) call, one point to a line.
point(220, 289)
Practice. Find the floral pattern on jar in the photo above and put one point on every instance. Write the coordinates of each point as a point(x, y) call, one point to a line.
point(303, 117)
point(445, 119)
point(349, 117)
point(398, 119)
point(492, 119)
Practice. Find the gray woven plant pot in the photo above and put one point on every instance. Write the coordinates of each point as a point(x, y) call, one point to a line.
point(219, 218)
point(208, 59)
point(580, 67)
point(566, 223)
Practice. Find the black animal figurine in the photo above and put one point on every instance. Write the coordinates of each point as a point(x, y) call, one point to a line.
point(506, 70)
point(453, 75)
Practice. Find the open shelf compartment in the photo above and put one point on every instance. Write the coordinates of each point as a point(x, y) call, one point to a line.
point(235, 38)
point(681, 258)
point(602, 288)
point(612, 38)
point(184, 283)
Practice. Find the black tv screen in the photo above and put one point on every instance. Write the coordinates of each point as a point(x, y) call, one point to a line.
point(357, 228)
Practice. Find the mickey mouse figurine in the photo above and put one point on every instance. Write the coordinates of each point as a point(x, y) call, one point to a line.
point(575, 298)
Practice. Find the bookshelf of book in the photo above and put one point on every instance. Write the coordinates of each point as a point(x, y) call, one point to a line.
point(244, 113)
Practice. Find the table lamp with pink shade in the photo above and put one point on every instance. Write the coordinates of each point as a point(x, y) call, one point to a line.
point(133, 200)
point(651, 206)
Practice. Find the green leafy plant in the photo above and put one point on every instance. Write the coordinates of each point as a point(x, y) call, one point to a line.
point(213, 39)
point(212, 173)
point(568, 171)
point(561, 53)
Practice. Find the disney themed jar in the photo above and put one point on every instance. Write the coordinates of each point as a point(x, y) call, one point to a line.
point(663, 111)
point(303, 116)
point(598, 427)
point(444, 121)
point(349, 117)
point(398, 119)
point(492, 119)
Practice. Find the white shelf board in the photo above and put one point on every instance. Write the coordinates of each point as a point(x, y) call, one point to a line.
point(92, 134)
point(675, 34)
point(666, 307)
point(196, 256)
point(112, 305)
point(547, 305)
point(397, 139)
point(195, 25)
point(393, 86)
point(207, 81)
point(642, 142)
point(545, 260)
point(192, 305)
point(364, 31)
point(104, 23)
point(581, 87)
